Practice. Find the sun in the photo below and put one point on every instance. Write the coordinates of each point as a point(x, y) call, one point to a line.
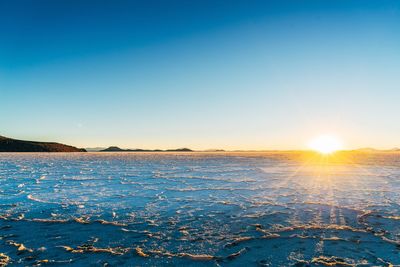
point(325, 144)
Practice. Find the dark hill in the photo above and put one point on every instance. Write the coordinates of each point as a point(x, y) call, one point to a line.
point(117, 149)
point(14, 145)
point(112, 149)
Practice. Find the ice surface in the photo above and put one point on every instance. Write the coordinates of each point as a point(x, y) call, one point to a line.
point(198, 209)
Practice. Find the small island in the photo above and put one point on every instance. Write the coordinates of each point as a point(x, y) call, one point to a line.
point(117, 149)
point(15, 145)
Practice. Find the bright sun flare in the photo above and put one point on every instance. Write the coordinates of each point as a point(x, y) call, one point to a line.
point(325, 144)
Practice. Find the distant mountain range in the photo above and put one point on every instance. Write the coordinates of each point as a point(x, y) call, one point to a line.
point(14, 145)
point(94, 149)
point(117, 149)
point(369, 149)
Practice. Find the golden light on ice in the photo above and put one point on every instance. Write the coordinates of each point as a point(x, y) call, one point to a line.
point(325, 144)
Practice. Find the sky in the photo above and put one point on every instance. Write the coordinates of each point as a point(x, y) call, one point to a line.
point(200, 74)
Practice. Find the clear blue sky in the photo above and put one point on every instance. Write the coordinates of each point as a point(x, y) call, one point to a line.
point(200, 74)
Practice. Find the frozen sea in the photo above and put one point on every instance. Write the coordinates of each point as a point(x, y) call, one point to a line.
point(199, 209)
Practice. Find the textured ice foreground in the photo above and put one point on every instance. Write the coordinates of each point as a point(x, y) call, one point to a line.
point(130, 209)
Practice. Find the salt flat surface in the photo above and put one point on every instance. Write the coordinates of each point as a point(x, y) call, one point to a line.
point(198, 209)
